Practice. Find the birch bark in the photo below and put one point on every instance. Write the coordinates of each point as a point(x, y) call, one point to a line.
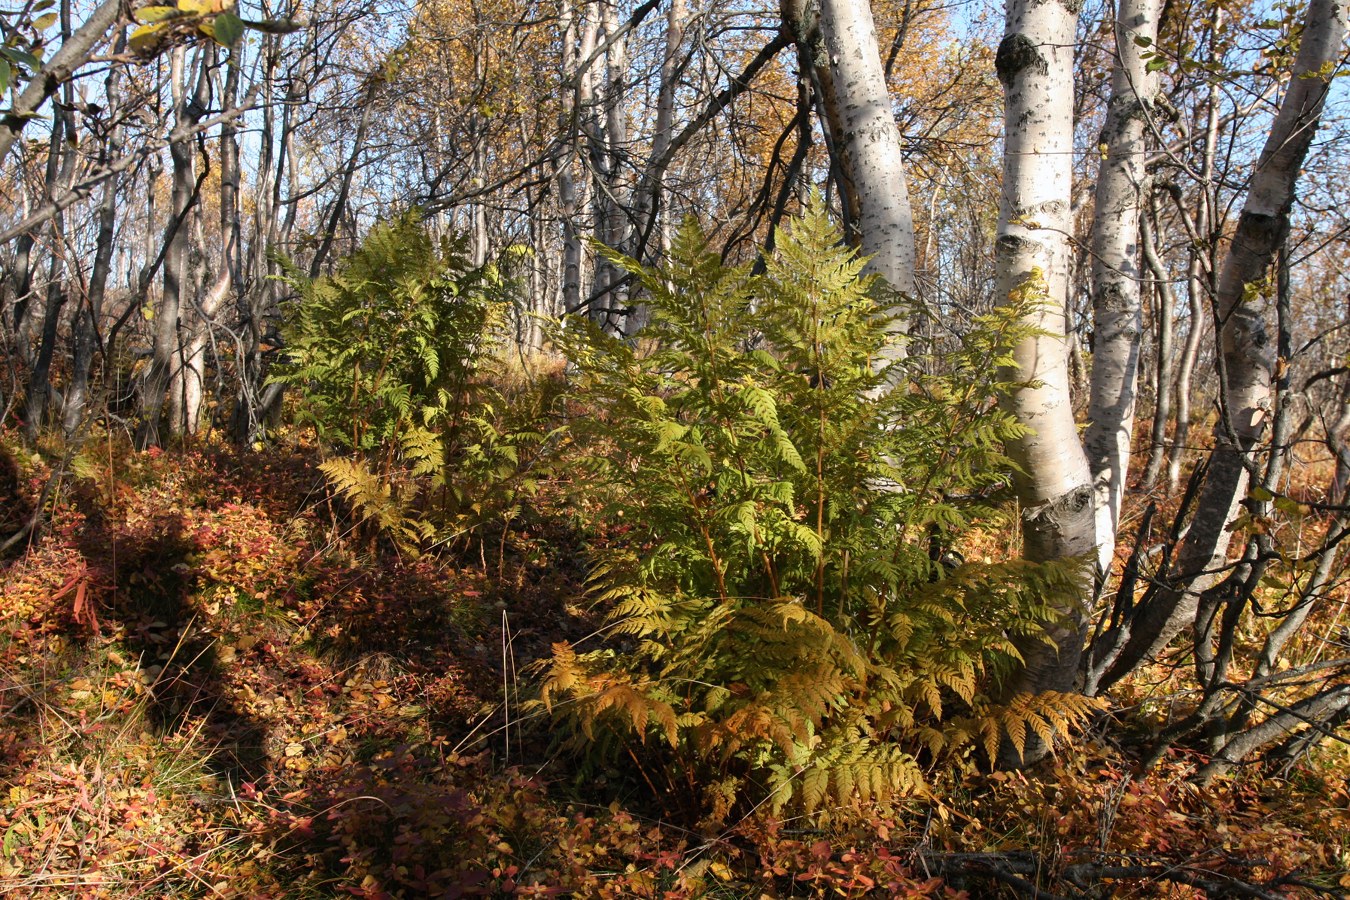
point(166, 338)
point(579, 35)
point(1035, 66)
point(846, 61)
point(1246, 352)
point(1116, 308)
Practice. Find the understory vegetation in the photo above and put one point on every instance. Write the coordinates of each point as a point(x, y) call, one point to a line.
point(726, 609)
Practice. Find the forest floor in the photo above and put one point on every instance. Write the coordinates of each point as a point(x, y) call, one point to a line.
point(208, 689)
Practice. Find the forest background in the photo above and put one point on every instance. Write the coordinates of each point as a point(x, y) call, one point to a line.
point(674, 448)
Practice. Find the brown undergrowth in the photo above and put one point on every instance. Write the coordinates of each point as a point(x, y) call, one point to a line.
point(209, 690)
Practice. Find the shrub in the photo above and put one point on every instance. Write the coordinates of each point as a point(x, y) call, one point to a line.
point(785, 616)
point(394, 355)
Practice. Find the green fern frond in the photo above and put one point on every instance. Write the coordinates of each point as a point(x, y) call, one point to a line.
point(778, 590)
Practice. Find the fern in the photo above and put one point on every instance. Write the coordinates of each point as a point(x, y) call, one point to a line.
point(394, 357)
point(374, 501)
point(779, 596)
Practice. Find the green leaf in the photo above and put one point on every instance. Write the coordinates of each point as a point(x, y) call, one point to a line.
point(4, 75)
point(43, 22)
point(1156, 64)
point(1290, 507)
point(229, 28)
point(24, 58)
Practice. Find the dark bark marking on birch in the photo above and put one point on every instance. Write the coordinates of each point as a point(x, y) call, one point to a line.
point(1262, 233)
point(1048, 529)
point(1016, 53)
point(1008, 244)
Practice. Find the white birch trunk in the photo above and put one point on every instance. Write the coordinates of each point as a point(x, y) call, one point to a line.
point(1116, 308)
point(1035, 65)
point(190, 378)
point(1246, 351)
point(612, 190)
point(665, 110)
point(665, 102)
point(858, 103)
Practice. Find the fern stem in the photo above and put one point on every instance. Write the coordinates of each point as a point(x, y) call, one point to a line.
point(821, 425)
point(703, 529)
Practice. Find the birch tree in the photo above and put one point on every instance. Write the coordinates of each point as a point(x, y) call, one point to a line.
point(1116, 309)
point(1247, 359)
point(841, 43)
point(1054, 485)
point(165, 354)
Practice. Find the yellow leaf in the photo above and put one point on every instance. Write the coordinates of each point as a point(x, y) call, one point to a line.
point(146, 37)
point(147, 14)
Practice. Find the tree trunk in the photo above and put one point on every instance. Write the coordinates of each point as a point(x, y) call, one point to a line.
point(608, 148)
point(189, 376)
point(20, 278)
point(578, 45)
point(846, 60)
point(665, 112)
point(1054, 486)
point(1167, 304)
point(1116, 308)
point(1338, 441)
point(87, 320)
point(649, 214)
point(61, 161)
point(1246, 358)
point(164, 355)
point(1199, 279)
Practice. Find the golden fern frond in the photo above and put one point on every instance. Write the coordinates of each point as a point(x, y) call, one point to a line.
point(565, 674)
point(852, 770)
point(372, 499)
point(813, 693)
point(815, 787)
point(1048, 715)
point(754, 722)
